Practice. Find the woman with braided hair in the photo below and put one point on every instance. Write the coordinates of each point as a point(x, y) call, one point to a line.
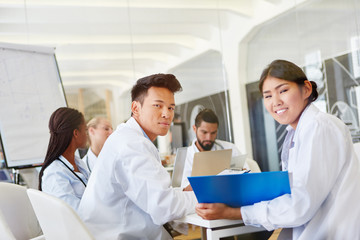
point(63, 174)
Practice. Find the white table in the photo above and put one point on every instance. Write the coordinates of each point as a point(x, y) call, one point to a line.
point(216, 229)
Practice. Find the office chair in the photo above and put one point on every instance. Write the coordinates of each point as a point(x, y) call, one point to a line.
point(17, 218)
point(357, 149)
point(254, 166)
point(57, 219)
point(5, 231)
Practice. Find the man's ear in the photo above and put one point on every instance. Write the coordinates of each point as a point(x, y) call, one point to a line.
point(135, 108)
point(194, 128)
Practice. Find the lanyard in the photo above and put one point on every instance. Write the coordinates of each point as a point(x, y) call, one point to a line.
point(71, 171)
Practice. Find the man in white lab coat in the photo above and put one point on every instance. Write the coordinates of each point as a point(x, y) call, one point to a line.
point(206, 129)
point(128, 194)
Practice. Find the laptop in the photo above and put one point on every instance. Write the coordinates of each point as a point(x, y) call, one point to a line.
point(178, 167)
point(238, 162)
point(211, 162)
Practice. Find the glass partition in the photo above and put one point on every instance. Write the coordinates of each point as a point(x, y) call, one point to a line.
point(190, 51)
point(103, 47)
point(322, 36)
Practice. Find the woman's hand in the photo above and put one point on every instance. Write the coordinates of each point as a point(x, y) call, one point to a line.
point(188, 188)
point(211, 211)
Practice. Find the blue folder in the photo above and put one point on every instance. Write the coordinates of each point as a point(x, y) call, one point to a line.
point(238, 190)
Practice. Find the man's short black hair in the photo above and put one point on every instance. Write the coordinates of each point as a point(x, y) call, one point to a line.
point(206, 115)
point(140, 89)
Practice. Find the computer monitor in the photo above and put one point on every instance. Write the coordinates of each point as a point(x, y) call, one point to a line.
point(178, 134)
point(179, 167)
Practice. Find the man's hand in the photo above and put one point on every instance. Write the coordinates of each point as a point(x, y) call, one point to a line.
point(211, 211)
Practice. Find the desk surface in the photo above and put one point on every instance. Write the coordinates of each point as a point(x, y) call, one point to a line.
point(198, 221)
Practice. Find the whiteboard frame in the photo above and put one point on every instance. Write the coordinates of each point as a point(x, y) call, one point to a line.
point(40, 50)
point(28, 48)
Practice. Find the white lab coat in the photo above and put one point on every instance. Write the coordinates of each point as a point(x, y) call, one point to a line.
point(89, 159)
point(325, 192)
point(60, 182)
point(192, 149)
point(129, 195)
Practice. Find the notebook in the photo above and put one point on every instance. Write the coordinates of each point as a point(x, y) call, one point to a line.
point(211, 162)
point(178, 166)
point(238, 190)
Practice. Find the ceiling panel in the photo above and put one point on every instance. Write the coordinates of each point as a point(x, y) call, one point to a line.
point(118, 41)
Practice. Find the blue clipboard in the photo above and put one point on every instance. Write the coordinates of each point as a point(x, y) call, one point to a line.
point(238, 190)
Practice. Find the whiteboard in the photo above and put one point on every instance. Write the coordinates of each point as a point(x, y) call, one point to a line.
point(30, 91)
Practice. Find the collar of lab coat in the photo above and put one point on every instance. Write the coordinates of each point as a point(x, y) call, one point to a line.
point(62, 158)
point(90, 159)
point(308, 113)
point(133, 124)
point(91, 154)
point(79, 163)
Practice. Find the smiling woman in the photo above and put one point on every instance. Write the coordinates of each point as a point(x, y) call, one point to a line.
point(319, 155)
point(286, 91)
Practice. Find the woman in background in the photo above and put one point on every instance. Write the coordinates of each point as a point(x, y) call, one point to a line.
point(318, 152)
point(99, 129)
point(64, 175)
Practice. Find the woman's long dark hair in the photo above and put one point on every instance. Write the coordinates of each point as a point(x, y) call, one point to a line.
point(288, 71)
point(62, 124)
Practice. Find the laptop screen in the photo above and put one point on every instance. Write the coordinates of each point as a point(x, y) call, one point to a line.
point(211, 162)
point(238, 162)
point(179, 167)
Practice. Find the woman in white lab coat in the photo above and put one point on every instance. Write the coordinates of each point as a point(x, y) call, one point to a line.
point(319, 154)
point(99, 129)
point(63, 174)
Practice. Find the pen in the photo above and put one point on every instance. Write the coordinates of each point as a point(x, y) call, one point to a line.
point(247, 171)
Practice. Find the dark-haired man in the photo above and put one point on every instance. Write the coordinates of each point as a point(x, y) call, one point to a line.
point(128, 195)
point(205, 128)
